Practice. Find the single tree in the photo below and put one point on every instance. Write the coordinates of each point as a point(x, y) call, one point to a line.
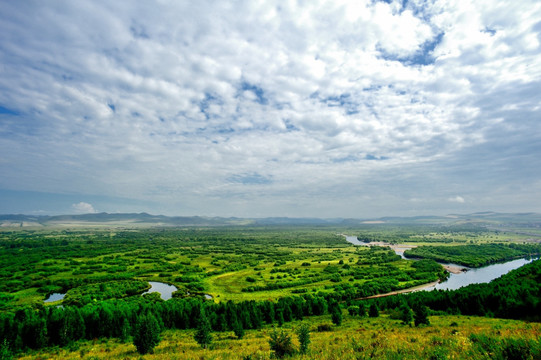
point(124, 330)
point(362, 310)
point(203, 334)
point(353, 310)
point(406, 315)
point(303, 334)
point(280, 343)
point(374, 311)
point(147, 333)
point(336, 315)
point(238, 329)
point(5, 351)
point(421, 315)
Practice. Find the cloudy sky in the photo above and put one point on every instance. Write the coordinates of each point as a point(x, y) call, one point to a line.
point(270, 108)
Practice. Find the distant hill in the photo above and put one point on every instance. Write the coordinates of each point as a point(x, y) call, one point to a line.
point(144, 219)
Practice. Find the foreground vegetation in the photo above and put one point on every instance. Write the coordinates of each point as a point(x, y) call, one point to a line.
point(260, 279)
point(447, 337)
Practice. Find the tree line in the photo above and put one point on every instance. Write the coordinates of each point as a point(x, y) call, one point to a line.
point(515, 295)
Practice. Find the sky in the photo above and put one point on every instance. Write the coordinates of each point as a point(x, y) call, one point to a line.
point(355, 109)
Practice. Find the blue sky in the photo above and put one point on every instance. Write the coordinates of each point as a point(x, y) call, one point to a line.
point(270, 108)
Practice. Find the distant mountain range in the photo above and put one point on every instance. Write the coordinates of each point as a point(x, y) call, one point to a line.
point(144, 219)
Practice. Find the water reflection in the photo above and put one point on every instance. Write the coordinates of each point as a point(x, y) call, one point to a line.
point(54, 297)
point(165, 290)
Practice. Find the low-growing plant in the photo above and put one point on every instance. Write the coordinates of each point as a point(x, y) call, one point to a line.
point(324, 327)
point(280, 342)
point(303, 334)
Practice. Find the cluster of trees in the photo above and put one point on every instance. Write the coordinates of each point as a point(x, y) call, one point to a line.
point(280, 341)
point(474, 255)
point(395, 234)
point(516, 295)
point(37, 327)
point(105, 290)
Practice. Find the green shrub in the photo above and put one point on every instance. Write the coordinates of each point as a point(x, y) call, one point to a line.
point(280, 343)
point(147, 334)
point(324, 327)
point(303, 334)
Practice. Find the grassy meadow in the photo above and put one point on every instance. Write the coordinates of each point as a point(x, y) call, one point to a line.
point(248, 271)
point(447, 337)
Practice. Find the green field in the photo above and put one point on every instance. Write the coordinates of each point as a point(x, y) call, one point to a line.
point(448, 337)
point(258, 277)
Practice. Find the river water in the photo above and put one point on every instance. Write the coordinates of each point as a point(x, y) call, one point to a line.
point(166, 292)
point(481, 275)
point(54, 297)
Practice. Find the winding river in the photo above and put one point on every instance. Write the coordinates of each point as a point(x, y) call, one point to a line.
point(481, 275)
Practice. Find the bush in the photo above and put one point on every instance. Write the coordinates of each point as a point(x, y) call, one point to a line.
point(280, 343)
point(373, 311)
point(336, 316)
point(147, 334)
point(303, 334)
point(203, 334)
point(324, 327)
point(421, 315)
point(238, 329)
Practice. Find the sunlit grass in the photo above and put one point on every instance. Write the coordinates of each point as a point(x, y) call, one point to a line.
point(357, 338)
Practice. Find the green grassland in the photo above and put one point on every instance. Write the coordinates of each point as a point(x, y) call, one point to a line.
point(447, 337)
point(229, 264)
point(105, 270)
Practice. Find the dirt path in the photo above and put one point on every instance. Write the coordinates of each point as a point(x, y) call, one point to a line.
point(403, 291)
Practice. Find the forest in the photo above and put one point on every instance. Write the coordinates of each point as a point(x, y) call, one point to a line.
point(239, 283)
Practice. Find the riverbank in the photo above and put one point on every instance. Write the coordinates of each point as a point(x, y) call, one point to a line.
point(403, 291)
point(455, 269)
point(397, 248)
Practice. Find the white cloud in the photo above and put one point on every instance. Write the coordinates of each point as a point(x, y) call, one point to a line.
point(168, 101)
point(457, 199)
point(83, 208)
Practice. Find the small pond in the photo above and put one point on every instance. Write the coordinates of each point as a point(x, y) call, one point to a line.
point(166, 291)
point(54, 297)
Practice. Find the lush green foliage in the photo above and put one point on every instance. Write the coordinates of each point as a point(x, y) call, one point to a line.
point(474, 255)
point(203, 334)
point(516, 295)
point(303, 334)
point(274, 276)
point(280, 342)
point(420, 315)
point(406, 314)
point(147, 333)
